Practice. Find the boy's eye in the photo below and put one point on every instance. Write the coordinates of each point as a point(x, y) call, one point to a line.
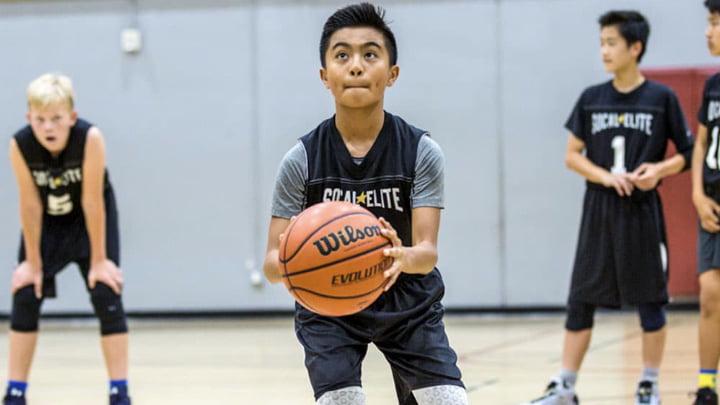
point(341, 55)
point(370, 55)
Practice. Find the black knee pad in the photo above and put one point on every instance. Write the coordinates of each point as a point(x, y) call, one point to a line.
point(652, 316)
point(25, 310)
point(580, 316)
point(109, 310)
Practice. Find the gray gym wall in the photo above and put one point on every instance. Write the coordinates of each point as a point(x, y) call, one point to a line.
point(197, 122)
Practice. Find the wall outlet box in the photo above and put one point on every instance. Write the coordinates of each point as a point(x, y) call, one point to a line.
point(131, 40)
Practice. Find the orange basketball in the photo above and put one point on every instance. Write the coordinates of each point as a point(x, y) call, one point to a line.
point(332, 258)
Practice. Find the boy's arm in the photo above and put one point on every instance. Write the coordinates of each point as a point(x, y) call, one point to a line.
point(31, 212)
point(648, 175)
point(93, 204)
point(271, 265)
point(706, 207)
point(422, 256)
point(579, 163)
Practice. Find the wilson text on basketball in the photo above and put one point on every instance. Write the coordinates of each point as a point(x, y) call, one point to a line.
point(344, 237)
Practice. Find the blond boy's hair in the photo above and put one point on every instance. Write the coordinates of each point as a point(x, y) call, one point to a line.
point(49, 89)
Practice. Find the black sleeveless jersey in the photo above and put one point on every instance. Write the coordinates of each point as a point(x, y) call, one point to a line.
point(623, 130)
point(382, 183)
point(58, 179)
point(709, 116)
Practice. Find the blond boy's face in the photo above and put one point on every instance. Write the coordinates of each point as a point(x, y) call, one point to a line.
point(614, 49)
point(358, 67)
point(712, 33)
point(51, 125)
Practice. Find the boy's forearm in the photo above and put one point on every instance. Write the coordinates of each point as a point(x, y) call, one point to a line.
point(95, 223)
point(672, 165)
point(580, 164)
point(31, 219)
point(698, 155)
point(271, 266)
point(420, 259)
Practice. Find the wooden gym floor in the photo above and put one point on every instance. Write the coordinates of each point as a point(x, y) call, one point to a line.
point(505, 359)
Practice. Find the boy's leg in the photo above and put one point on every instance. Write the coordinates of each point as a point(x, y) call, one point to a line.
point(22, 341)
point(709, 323)
point(652, 320)
point(23, 333)
point(653, 347)
point(115, 351)
point(709, 326)
point(575, 347)
point(334, 351)
point(22, 349)
point(416, 344)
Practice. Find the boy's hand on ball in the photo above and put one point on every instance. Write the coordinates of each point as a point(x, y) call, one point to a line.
point(397, 252)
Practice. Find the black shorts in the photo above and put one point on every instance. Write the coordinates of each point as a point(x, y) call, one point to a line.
point(405, 324)
point(621, 256)
point(709, 243)
point(65, 240)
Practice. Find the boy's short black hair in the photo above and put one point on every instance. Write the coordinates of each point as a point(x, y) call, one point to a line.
point(358, 15)
point(713, 6)
point(631, 25)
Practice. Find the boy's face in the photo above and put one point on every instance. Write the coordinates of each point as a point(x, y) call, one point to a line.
point(357, 67)
point(712, 33)
point(616, 54)
point(51, 125)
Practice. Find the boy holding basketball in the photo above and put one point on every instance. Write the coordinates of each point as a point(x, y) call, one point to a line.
point(623, 127)
point(68, 214)
point(359, 151)
point(706, 196)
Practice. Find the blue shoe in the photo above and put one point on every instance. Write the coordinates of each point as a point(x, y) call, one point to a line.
point(14, 400)
point(118, 400)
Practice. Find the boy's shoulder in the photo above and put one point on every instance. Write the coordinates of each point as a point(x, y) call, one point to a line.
point(598, 87)
point(713, 82)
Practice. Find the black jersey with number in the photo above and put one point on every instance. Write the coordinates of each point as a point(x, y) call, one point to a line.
point(58, 179)
point(382, 183)
point(709, 116)
point(623, 130)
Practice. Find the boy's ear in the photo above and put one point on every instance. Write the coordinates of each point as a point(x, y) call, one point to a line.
point(323, 77)
point(394, 73)
point(636, 48)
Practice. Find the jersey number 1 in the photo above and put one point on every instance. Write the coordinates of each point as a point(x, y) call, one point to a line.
point(712, 154)
point(618, 145)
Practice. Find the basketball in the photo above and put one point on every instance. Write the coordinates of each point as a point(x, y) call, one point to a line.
point(332, 258)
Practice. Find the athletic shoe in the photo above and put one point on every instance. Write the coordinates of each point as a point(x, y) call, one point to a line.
point(119, 400)
point(705, 396)
point(647, 394)
point(558, 392)
point(14, 400)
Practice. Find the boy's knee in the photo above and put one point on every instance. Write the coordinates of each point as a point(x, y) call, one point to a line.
point(25, 310)
point(652, 317)
point(441, 395)
point(109, 310)
point(709, 301)
point(580, 316)
point(343, 396)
